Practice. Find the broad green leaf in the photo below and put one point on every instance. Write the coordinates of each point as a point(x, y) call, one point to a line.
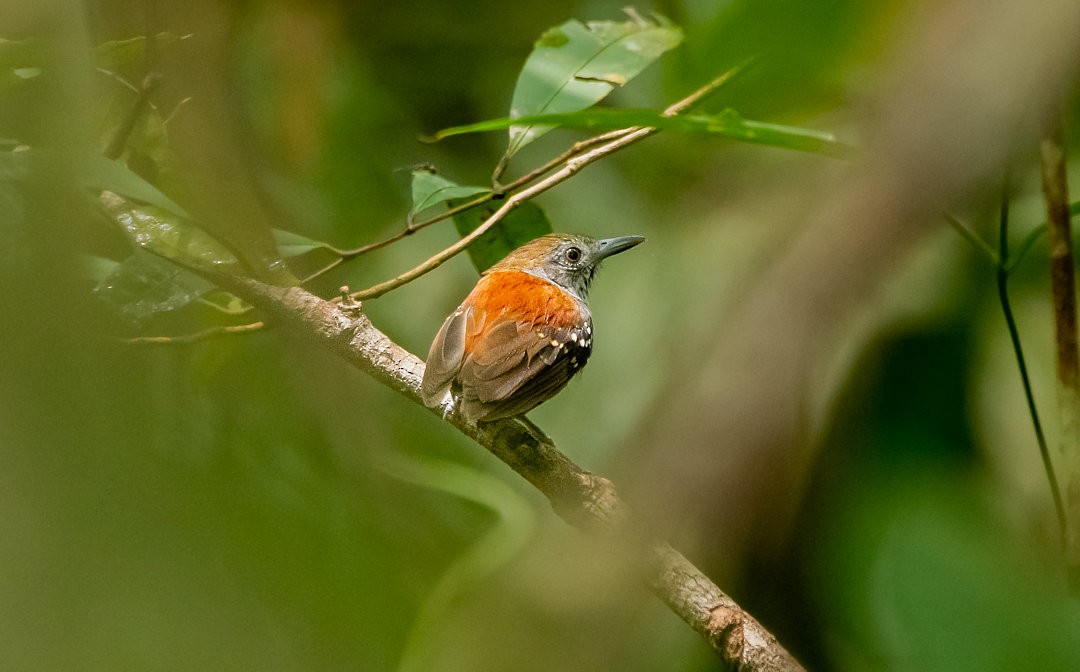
point(165, 234)
point(145, 284)
point(430, 189)
point(727, 124)
point(575, 65)
point(522, 224)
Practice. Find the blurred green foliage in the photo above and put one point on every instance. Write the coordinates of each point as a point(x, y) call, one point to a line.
point(249, 502)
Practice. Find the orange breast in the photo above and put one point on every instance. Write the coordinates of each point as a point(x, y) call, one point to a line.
point(519, 296)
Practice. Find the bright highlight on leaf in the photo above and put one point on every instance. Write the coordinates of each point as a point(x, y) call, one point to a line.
point(575, 65)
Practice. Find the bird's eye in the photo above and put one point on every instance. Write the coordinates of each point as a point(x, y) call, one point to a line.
point(573, 254)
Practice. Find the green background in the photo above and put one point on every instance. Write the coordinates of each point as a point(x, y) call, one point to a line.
point(252, 503)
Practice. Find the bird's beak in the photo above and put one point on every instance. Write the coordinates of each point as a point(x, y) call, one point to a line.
point(609, 246)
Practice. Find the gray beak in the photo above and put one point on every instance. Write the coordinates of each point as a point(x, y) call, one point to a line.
point(609, 246)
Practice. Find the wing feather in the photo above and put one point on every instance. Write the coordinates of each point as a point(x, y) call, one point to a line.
point(532, 364)
point(445, 357)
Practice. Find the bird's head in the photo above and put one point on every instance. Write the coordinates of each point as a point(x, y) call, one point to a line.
point(569, 261)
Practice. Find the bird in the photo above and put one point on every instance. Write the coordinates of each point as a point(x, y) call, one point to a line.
point(522, 332)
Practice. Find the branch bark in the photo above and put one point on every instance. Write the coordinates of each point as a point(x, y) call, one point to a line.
point(1063, 290)
point(583, 499)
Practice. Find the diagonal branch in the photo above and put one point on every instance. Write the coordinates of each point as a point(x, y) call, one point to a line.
point(583, 499)
point(572, 167)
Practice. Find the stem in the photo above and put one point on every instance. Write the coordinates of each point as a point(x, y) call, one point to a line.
point(1063, 292)
point(1018, 351)
point(615, 140)
point(564, 159)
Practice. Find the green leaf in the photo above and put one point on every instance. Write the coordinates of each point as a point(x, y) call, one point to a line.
point(522, 224)
point(727, 124)
point(94, 172)
point(20, 61)
point(165, 234)
point(101, 174)
point(430, 189)
point(115, 53)
point(97, 268)
point(23, 60)
point(145, 284)
point(306, 257)
point(291, 244)
point(575, 65)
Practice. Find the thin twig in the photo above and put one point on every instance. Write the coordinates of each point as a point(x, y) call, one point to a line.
point(1063, 292)
point(568, 171)
point(127, 125)
point(203, 335)
point(620, 139)
point(410, 228)
point(575, 149)
point(501, 191)
point(975, 239)
point(1014, 336)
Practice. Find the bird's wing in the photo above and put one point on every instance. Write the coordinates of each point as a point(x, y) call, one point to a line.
point(445, 357)
point(516, 366)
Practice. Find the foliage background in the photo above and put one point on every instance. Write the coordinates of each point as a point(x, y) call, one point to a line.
point(251, 503)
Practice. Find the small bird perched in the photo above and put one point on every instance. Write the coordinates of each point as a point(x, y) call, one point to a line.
point(523, 331)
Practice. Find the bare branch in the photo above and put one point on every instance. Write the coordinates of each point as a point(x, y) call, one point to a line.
point(1063, 289)
point(203, 335)
point(583, 499)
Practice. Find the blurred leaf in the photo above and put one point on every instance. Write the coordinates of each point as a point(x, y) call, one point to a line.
point(575, 65)
point(115, 53)
point(947, 596)
point(145, 284)
point(306, 257)
point(1033, 237)
point(522, 224)
point(101, 174)
point(430, 189)
point(727, 124)
point(98, 268)
point(20, 61)
point(94, 172)
point(291, 244)
point(490, 552)
point(21, 53)
point(165, 234)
